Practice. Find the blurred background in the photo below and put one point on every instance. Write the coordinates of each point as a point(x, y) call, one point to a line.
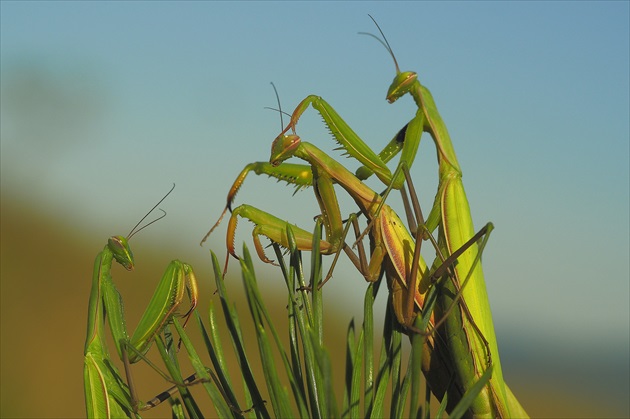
point(106, 104)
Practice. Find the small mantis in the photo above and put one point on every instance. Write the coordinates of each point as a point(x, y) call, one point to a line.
point(106, 393)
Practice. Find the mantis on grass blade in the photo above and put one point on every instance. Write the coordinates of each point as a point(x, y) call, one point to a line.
point(451, 215)
point(106, 393)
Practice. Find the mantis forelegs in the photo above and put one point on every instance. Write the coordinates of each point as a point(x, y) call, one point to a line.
point(357, 148)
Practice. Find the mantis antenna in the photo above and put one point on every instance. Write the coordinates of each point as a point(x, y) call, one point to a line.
point(279, 107)
point(383, 42)
point(134, 231)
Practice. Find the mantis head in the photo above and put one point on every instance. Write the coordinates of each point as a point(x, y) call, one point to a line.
point(402, 84)
point(121, 250)
point(283, 147)
point(404, 81)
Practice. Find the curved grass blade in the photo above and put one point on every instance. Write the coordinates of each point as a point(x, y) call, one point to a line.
point(217, 395)
point(231, 318)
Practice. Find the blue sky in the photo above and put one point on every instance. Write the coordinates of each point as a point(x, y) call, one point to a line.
point(106, 104)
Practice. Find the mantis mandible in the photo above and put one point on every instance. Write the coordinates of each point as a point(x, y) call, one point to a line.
point(106, 393)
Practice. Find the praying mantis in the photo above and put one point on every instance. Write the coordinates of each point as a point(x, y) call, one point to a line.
point(451, 214)
point(106, 393)
point(468, 331)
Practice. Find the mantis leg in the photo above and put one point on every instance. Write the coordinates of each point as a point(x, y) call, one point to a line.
point(406, 141)
point(299, 175)
point(271, 227)
point(274, 228)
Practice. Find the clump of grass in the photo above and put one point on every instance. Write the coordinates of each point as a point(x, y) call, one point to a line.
point(305, 366)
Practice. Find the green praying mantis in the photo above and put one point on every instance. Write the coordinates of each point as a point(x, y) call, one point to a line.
point(107, 395)
point(469, 333)
point(451, 215)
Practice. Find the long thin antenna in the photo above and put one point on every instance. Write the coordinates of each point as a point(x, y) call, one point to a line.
point(383, 41)
point(279, 106)
point(134, 231)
